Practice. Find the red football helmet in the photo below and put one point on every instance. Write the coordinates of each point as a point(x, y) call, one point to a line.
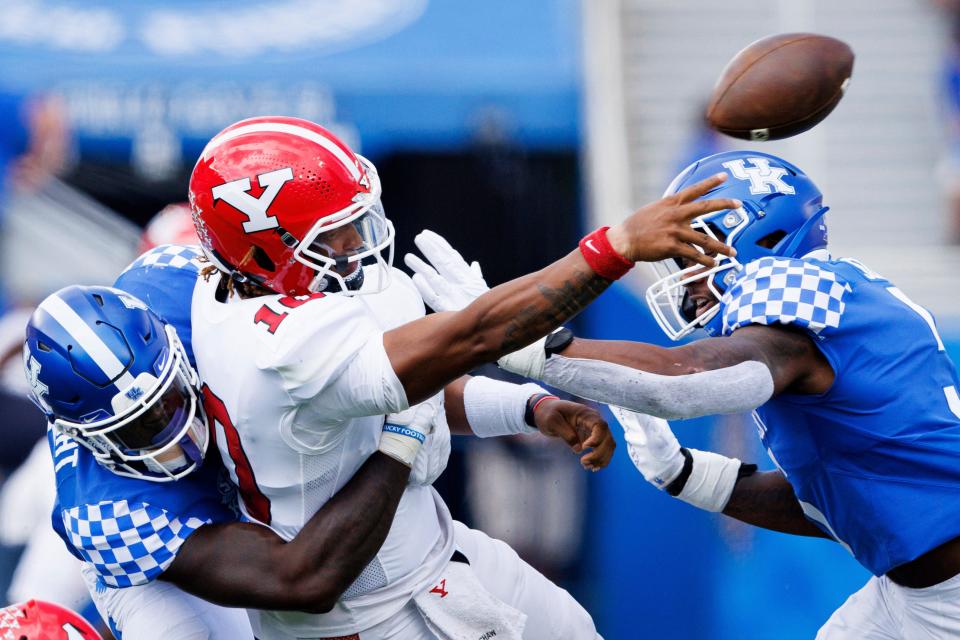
point(39, 620)
point(282, 202)
point(172, 225)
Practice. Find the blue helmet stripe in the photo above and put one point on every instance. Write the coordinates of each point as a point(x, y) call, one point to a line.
point(91, 343)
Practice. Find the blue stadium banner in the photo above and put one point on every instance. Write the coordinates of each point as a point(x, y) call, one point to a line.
point(149, 80)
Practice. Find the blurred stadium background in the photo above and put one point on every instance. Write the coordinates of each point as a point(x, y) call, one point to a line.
point(510, 127)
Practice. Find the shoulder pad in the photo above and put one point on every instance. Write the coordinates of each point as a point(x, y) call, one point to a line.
point(784, 291)
point(127, 544)
point(399, 303)
point(290, 323)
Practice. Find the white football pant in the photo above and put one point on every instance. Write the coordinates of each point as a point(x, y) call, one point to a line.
point(883, 610)
point(552, 613)
point(161, 611)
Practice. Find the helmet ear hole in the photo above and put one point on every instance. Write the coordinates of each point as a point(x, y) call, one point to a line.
point(771, 240)
point(98, 298)
point(43, 346)
point(717, 231)
point(262, 259)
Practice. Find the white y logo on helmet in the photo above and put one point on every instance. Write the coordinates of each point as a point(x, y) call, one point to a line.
point(236, 194)
point(763, 178)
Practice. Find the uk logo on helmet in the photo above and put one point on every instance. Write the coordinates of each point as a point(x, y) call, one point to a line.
point(33, 377)
point(763, 178)
point(236, 194)
point(131, 303)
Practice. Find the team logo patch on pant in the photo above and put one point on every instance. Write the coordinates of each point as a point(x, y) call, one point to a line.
point(441, 588)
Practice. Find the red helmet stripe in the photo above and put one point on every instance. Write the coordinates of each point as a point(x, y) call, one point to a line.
point(345, 159)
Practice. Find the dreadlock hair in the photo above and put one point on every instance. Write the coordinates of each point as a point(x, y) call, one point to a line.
point(247, 289)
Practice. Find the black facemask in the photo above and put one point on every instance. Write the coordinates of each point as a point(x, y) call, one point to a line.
point(353, 281)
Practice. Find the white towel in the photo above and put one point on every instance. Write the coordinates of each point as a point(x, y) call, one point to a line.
point(458, 607)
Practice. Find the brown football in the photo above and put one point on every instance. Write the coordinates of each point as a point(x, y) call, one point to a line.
point(780, 86)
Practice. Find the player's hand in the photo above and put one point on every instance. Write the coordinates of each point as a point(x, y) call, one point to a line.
point(405, 432)
point(661, 229)
point(434, 454)
point(445, 281)
point(581, 427)
point(652, 446)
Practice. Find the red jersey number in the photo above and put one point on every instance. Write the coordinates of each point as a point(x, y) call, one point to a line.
point(257, 504)
point(266, 315)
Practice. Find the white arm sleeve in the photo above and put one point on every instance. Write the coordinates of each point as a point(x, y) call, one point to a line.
point(742, 387)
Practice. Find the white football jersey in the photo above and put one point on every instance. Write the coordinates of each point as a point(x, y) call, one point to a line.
point(298, 388)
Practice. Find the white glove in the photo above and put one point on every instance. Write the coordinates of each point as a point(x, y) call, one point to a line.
point(406, 431)
point(434, 454)
point(653, 448)
point(446, 282)
point(656, 452)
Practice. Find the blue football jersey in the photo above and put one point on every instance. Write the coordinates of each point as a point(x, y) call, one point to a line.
point(873, 460)
point(164, 278)
point(130, 530)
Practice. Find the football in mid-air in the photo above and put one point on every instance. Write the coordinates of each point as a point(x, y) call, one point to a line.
point(780, 86)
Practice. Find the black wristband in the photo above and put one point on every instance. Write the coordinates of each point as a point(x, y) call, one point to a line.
point(558, 341)
point(675, 487)
point(532, 401)
point(746, 470)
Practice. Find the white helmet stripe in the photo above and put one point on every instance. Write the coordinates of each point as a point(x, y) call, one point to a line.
point(89, 341)
point(282, 127)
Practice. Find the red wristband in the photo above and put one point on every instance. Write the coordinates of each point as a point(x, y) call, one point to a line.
point(601, 256)
point(536, 404)
point(530, 409)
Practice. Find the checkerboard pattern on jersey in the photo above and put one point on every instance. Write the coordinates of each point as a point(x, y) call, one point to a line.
point(173, 255)
point(127, 546)
point(784, 291)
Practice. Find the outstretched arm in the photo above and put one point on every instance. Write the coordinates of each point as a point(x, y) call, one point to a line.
point(485, 407)
point(428, 353)
point(248, 565)
point(716, 375)
point(777, 348)
point(719, 375)
point(710, 481)
point(767, 500)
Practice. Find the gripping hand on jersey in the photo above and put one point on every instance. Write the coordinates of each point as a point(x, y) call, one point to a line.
point(405, 432)
point(447, 283)
point(701, 478)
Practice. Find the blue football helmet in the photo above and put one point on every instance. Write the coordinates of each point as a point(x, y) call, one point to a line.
point(782, 215)
point(114, 377)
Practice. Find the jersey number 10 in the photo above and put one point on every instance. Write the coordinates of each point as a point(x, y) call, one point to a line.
point(257, 505)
